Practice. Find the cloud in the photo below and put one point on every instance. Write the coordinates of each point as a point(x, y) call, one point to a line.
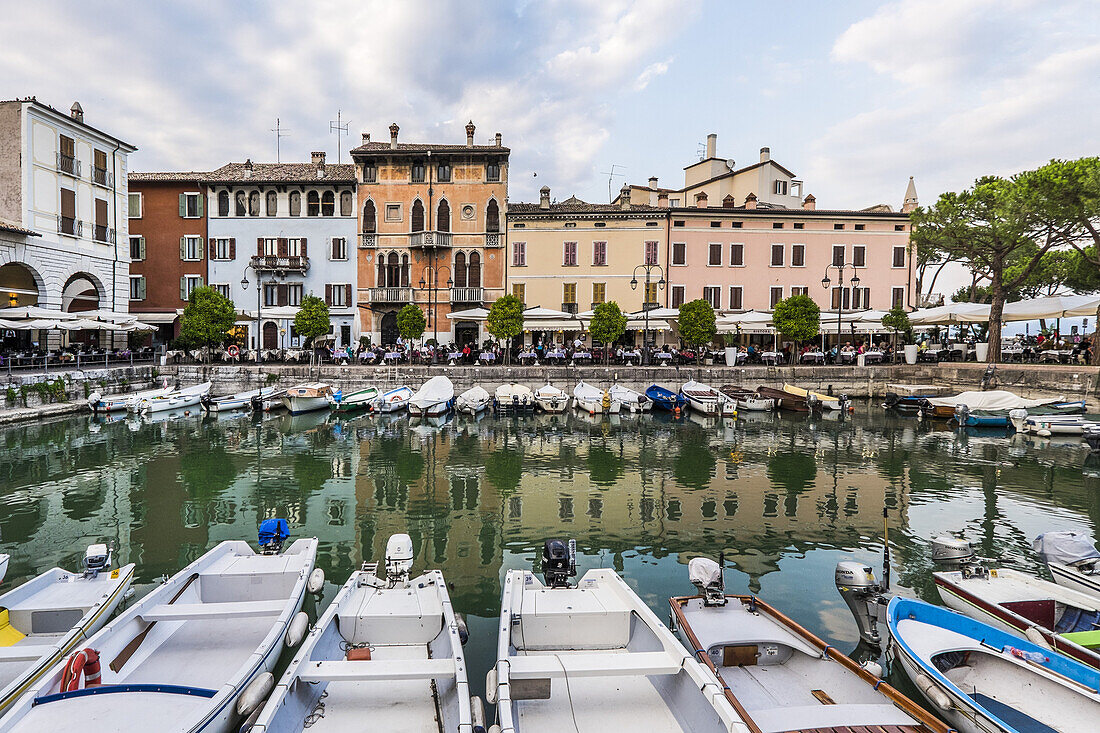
point(655, 69)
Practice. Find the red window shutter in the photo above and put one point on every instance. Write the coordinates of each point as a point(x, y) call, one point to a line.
point(303, 246)
point(259, 246)
point(213, 253)
point(232, 248)
point(347, 295)
point(328, 294)
point(284, 294)
point(283, 247)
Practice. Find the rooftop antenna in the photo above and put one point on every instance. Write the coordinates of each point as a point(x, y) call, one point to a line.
point(341, 129)
point(280, 133)
point(701, 150)
point(610, 175)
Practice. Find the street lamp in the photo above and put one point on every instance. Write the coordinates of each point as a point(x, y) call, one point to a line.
point(826, 282)
point(432, 271)
point(648, 269)
point(259, 293)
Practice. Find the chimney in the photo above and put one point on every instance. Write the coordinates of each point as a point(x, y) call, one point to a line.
point(366, 138)
point(76, 112)
point(653, 182)
point(394, 129)
point(248, 168)
point(544, 198)
point(729, 202)
point(470, 128)
point(810, 203)
point(624, 197)
point(662, 199)
point(318, 159)
point(765, 154)
point(701, 200)
point(750, 201)
point(712, 145)
point(498, 139)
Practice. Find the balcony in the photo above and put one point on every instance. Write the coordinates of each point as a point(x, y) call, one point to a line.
point(68, 225)
point(391, 295)
point(429, 240)
point(103, 177)
point(569, 308)
point(467, 295)
point(368, 241)
point(494, 239)
point(270, 263)
point(104, 234)
point(68, 165)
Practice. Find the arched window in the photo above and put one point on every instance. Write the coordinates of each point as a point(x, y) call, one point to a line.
point(473, 279)
point(404, 271)
point(460, 270)
point(345, 203)
point(254, 203)
point(418, 216)
point(223, 203)
point(241, 206)
point(328, 204)
point(272, 203)
point(492, 216)
point(370, 218)
point(313, 204)
point(295, 203)
point(443, 216)
point(380, 281)
point(393, 271)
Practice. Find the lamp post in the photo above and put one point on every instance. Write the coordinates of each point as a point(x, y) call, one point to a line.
point(259, 294)
point(826, 282)
point(432, 271)
point(648, 269)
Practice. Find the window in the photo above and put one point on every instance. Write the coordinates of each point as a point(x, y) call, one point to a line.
point(188, 283)
point(677, 223)
point(736, 224)
point(598, 225)
point(569, 294)
point(272, 200)
point(474, 279)
point(137, 248)
point(66, 159)
point(370, 218)
point(370, 173)
point(897, 296)
point(240, 205)
point(838, 254)
point(799, 225)
point(417, 217)
point(781, 188)
point(393, 212)
point(777, 225)
point(190, 249)
point(899, 227)
point(492, 217)
point(222, 288)
point(519, 254)
point(861, 298)
point(715, 224)
point(492, 172)
point(338, 296)
point(713, 295)
point(674, 203)
point(313, 204)
point(294, 294)
point(417, 171)
point(443, 173)
point(271, 294)
point(346, 203)
point(191, 205)
point(651, 253)
point(737, 255)
point(777, 255)
point(270, 247)
point(679, 253)
point(677, 296)
point(443, 216)
point(859, 255)
point(714, 255)
point(899, 257)
point(569, 254)
point(800, 290)
point(838, 226)
point(133, 205)
point(860, 227)
point(137, 287)
point(254, 203)
point(224, 249)
point(798, 255)
point(100, 220)
point(841, 296)
point(459, 268)
point(68, 224)
point(776, 296)
point(295, 203)
point(339, 249)
point(295, 247)
point(223, 203)
point(599, 253)
point(520, 291)
point(599, 293)
point(328, 204)
point(736, 298)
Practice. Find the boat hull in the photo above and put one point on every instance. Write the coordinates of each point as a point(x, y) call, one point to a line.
point(553, 405)
point(300, 405)
point(665, 399)
point(1068, 577)
point(430, 409)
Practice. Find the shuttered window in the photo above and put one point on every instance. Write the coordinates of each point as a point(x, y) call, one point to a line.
point(519, 254)
point(736, 302)
point(859, 255)
point(798, 255)
point(599, 253)
point(737, 255)
point(677, 295)
point(679, 253)
point(569, 254)
point(137, 248)
point(651, 253)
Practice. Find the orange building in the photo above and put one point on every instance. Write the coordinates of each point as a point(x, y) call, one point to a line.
point(430, 232)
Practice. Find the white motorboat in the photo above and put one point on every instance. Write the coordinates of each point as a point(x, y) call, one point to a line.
point(360, 399)
point(434, 398)
point(777, 674)
point(273, 401)
point(239, 401)
point(703, 398)
point(44, 619)
point(1072, 559)
point(631, 400)
point(594, 400)
point(103, 404)
point(747, 400)
point(307, 398)
point(184, 653)
point(393, 400)
point(387, 650)
point(181, 400)
point(595, 657)
point(513, 399)
point(1046, 425)
point(551, 399)
point(473, 400)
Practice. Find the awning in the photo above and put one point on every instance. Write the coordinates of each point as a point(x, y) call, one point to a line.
point(471, 314)
point(274, 313)
point(33, 311)
point(1057, 306)
point(951, 313)
point(166, 317)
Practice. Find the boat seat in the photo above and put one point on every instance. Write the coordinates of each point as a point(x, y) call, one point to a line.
point(213, 611)
point(380, 670)
point(1087, 639)
point(623, 664)
point(861, 716)
point(25, 652)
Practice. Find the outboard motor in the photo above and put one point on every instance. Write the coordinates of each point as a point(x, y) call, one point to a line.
point(891, 400)
point(707, 576)
point(864, 596)
point(1018, 418)
point(273, 533)
point(845, 402)
point(97, 558)
point(951, 552)
point(399, 559)
point(1092, 437)
point(559, 562)
point(812, 402)
point(961, 413)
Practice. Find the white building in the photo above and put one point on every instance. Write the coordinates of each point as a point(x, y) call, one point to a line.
point(292, 225)
point(63, 198)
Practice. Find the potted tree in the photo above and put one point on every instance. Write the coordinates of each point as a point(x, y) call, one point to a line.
point(505, 320)
point(896, 319)
point(312, 320)
point(696, 323)
point(411, 322)
point(797, 317)
point(608, 324)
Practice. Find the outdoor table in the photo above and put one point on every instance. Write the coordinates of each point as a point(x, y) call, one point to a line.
point(582, 355)
point(366, 356)
point(487, 357)
point(847, 357)
point(557, 355)
point(635, 355)
point(742, 357)
point(1058, 355)
point(392, 356)
point(873, 357)
point(813, 357)
point(528, 357)
point(771, 357)
point(664, 357)
point(1012, 352)
point(929, 355)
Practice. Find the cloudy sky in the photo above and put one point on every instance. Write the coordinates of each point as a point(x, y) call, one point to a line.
point(854, 97)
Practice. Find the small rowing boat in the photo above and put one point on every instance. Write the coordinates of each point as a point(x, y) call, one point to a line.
point(827, 402)
point(103, 404)
point(1072, 560)
point(435, 397)
point(747, 400)
point(786, 400)
point(666, 399)
point(394, 400)
point(239, 401)
point(631, 400)
point(551, 399)
point(594, 400)
point(360, 399)
point(703, 398)
point(307, 398)
point(473, 400)
point(178, 401)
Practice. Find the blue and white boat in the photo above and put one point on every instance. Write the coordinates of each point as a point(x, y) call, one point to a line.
point(665, 399)
point(982, 679)
point(394, 400)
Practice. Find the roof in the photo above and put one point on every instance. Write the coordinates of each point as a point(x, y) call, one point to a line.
point(167, 177)
point(65, 115)
point(772, 213)
point(7, 226)
point(281, 173)
point(412, 148)
point(574, 205)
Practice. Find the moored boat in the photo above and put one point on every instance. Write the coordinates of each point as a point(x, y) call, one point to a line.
point(178, 401)
point(631, 400)
point(435, 397)
point(747, 400)
point(239, 401)
point(786, 400)
point(360, 399)
point(4, 558)
point(306, 398)
point(827, 402)
point(393, 400)
point(666, 399)
point(1047, 425)
point(473, 400)
point(102, 404)
point(1072, 560)
point(594, 400)
point(551, 399)
point(998, 401)
point(270, 402)
point(703, 398)
point(513, 399)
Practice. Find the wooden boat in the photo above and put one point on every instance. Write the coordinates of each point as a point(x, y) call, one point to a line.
point(307, 398)
point(180, 400)
point(594, 400)
point(827, 402)
point(239, 401)
point(703, 398)
point(631, 400)
point(666, 399)
point(786, 400)
point(906, 403)
point(1072, 560)
point(386, 650)
point(747, 400)
point(44, 619)
point(779, 676)
point(513, 399)
point(185, 652)
point(393, 400)
point(360, 399)
point(435, 397)
point(594, 657)
point(4, 558)
point(982, 679)
point(551, 399)
point(473, 400)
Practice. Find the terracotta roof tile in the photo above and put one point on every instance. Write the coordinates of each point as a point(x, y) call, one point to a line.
point(574, 205)
point(166, 176)
point(281, 173)
point(7, 226)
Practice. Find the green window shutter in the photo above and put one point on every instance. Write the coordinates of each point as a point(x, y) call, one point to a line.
point(141, 289)
point(200, 197)
point(200, 281)
point(141, 251)
point(199, 250)
point(183, 248)
point(183, 205)
point(183, 288)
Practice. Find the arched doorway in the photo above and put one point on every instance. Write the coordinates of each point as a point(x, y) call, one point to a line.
point(80, 294)
point(271, 335)
point(17, 286)
point(388, 329)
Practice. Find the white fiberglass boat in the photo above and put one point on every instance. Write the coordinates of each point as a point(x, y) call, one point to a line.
point(360, 399)
point(1047, 425)
point(434, 398)
point(631, 400)
point(388, 651)
point(393, 400)
point(181, 400)
point(239, 401)
point(102, 404)
point(184, 653)
point(44, 619)
point(594, 400)
point(1072, 559)
point(4, 558)
point(307, 398)
point(703, 398)
point(513, 399)
point(551, 399)
point(473, 400)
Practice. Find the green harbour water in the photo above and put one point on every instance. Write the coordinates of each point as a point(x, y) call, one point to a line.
point(783, 497)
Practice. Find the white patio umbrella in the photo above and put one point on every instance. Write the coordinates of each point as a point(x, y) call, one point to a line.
point(951, 313)
point(471, 314)
point(1057, 306)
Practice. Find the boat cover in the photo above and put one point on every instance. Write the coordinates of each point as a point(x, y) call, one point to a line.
point(1066, 546)
point(434, 391)
point(550, 392)
point(997, 399)
point(704, 572)
point(474, 395)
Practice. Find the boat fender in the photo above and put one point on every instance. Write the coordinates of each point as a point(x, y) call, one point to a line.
point(1035, 637)
point(873, 667)
point(1043, 433)
point(316, 582)
point(84, 662)
point(250, 721)
point(463, 629)
point(935, 695)
point(94, 398)
point(477, 714)
point(494, 728)
point(491, 687)
point(299, 626)
point(253, 696)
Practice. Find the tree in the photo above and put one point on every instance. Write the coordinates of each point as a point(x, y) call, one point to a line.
point(897, 319)
point(608, 324)
point(207, 318)
point(411, 322)
point(797, 317)
point(312, 319)
point(928, 262)
point(505, 320)
point(696, 323)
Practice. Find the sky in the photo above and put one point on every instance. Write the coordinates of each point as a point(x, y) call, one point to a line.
point(854, 97)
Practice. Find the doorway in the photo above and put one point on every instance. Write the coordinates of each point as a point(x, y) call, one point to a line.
point(388, 330)
point(271, 335)
point(466, 332)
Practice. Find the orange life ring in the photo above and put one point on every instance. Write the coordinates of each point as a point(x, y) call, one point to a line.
point(86, 662)
point(234, 350)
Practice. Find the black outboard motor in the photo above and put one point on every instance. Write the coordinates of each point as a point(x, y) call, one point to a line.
point(559, 562)
point(273, 533)
point(891, 400)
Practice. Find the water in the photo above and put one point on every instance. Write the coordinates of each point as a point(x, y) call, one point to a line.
point(784, 497)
